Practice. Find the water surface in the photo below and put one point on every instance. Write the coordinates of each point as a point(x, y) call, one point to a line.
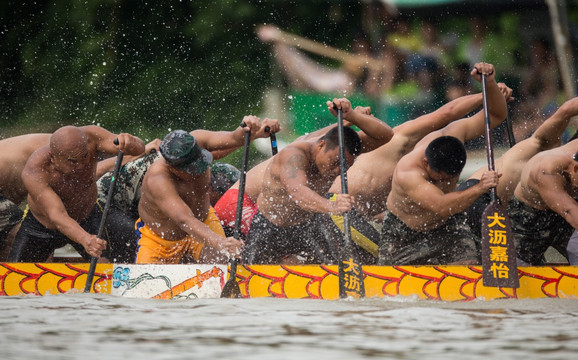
point(93, 326)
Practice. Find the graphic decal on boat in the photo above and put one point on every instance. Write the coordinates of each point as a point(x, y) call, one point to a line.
point(156, 281)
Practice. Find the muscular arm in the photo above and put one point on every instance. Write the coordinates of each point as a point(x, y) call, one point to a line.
point(293, 164)
point(374, 132)
point(222, 143)
point(549, 133)
point(472, 127)
point(415, 130)
point(168, 201)
point(552, 190)
point(434, 200)
point(104, 141)
point(46, 203)
point(107, 165)
point(497, 96)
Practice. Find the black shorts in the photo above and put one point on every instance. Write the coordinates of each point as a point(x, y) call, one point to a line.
point(474, 212)
point(535, 230)
point(10, 215)
point(364, 237)
point(35, 243)
point(452, 242)
point(269, 244)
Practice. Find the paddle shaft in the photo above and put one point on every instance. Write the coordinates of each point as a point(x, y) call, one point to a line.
point(231, 287)
point(105, 212)
point(489, 146)
point(510, 129)
point(497, 270)
point(343, 167)
point(273, 138)
point(242, 180)
point(351, 278)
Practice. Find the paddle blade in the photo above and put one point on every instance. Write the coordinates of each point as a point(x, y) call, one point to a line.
point(498, 249)
point(231, 288)
point(350, 276)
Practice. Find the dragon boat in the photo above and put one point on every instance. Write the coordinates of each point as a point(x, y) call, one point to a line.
point(443, 283)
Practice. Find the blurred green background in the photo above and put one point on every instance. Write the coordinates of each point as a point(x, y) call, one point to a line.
point(148, 67)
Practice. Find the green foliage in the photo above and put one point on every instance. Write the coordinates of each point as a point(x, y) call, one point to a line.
point(145, 67)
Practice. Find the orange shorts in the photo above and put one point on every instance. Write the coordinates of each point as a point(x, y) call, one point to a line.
point(152, 249)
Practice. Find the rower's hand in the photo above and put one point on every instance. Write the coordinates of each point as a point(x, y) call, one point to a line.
point(485, 69)
point(231, 247)
point(152, 147)
point(268, 127)
point(130, 144)
point(252, 125)
point(343, 203)
point(489, 180)
point(93, 245)
point(343, 104)
point(506, 91)
point(365, 110)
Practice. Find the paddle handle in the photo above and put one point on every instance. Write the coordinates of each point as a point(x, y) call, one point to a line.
point(489, 145)
point(510, 129)
point(343, 171)
point(105, 212)
point(342, 165)
point(273, 138)
point(242, 179)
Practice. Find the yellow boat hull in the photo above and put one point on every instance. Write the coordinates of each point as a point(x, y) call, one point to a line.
point(445, 283)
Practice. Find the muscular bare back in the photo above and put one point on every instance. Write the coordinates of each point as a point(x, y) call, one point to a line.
point(274, 200)
point(409, 175)
point(369, 179)
point(547, 173)
point(296, 181)
point(15, 152)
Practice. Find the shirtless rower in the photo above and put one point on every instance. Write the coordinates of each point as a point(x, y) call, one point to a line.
point(511, 163)
point(177, 222)
point(373, 133)
point(285, 229)
point(14, 152)
point(543, 210)
point(423, 224)
point(131, 174)
point(370, 184)
point(61, 182)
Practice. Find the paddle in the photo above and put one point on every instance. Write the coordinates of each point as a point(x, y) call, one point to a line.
point(499, 268)
point(510, 129)
point(273, 141)
point(231, 288)
point(350, 271)
point(93, 260)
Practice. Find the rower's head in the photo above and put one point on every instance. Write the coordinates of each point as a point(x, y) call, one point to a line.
point(445, 158)
point(181, 151)
point(327, 159)
point(223, 176)
point(69, 149)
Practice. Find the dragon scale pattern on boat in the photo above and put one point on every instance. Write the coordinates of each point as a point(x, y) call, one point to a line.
point(445, 283)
